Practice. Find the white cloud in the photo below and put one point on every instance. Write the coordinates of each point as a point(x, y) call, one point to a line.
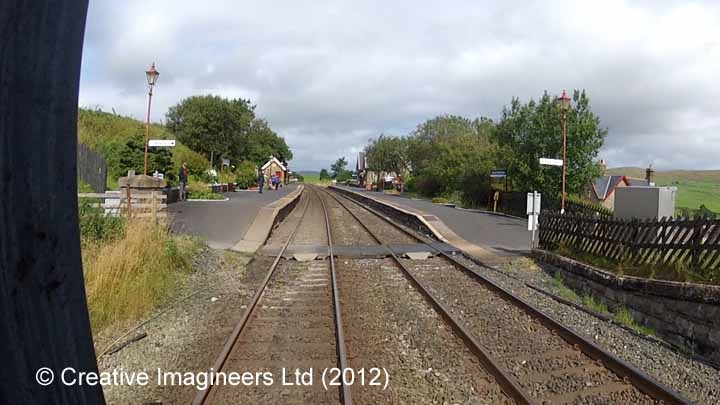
point(328, 75)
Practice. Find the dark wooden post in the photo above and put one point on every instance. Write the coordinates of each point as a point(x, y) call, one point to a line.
point(43, 312)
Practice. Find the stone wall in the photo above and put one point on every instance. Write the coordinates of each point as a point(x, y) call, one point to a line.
point(684, 314)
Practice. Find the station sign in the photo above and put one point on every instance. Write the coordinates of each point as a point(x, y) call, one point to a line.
point(498, 173)
point(551, 162)
point(162, 142)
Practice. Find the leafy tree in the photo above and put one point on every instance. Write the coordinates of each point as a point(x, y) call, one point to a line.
point(260, 142)
point(130, 155)
point(339, 171)
point(196, 162)
point(211, 125)
point(246, 174)
point(388, 154)
point(448, 151)
point(533, 130)
point(324, 175)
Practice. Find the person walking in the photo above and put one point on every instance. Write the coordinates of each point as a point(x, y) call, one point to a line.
point(261, 181)
point(183, 177)
point(273, 179)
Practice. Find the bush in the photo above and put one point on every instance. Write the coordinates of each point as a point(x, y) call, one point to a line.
point(428, 187)
point(95, 226)
point(208, 176)
point(196, 162)
point(411, 185)
point(439, 200)
point(246, 174)
point(83, 187)
point(205, 195)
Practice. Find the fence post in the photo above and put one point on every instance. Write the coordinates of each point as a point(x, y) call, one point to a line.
point(128, 196)
point(635, 223)
point(696, 239)
point(154, 206)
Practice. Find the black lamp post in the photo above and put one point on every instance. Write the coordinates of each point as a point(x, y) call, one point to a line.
point(564, 101)
point(152, 76)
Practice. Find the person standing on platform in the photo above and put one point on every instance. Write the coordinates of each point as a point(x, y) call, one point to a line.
point(261, 181)
point(183, 177)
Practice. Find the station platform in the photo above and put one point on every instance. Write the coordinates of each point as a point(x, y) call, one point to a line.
point(223, 224)
point(498, 234)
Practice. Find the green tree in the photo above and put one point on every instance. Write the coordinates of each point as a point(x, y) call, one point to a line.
point(260, 142)
point(196, 162)
point(246, 174)
point(388, 154)
point(448, 151)
point(324, 174)
point(533, 130)
point(339, 172)
point(122, 156)
point(211, 125)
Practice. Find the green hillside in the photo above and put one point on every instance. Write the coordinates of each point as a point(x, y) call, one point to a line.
point(695, 187)
point(121, 140)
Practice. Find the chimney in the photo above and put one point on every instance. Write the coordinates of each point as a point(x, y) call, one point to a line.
point(649, 175)
point(602, 167)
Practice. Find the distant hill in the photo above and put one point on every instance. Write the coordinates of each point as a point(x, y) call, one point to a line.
point(669, 176)
point(695, 187)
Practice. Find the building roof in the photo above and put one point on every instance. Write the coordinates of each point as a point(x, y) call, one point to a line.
point(274, 159)
point(604, 186)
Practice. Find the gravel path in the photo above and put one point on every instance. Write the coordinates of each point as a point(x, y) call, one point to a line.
point(389, 325)
point(189, 336)
point(696, 381)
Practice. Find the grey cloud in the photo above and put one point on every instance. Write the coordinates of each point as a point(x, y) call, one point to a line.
point(328, 75)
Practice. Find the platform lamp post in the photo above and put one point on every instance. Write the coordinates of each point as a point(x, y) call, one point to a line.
point(152, 76)
point(564, 101)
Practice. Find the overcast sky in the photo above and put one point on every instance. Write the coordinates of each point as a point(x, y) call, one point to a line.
point(329, 75)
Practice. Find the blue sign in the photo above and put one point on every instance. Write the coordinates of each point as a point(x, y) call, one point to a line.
point(498, 174)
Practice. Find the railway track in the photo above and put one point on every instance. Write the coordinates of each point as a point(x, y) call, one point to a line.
point(292, 322)
point(534, 358)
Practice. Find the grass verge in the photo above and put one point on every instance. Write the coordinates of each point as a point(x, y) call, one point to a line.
point(132, 271)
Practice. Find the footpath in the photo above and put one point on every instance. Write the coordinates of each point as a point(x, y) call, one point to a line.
point(223, 224)
point(468, 230)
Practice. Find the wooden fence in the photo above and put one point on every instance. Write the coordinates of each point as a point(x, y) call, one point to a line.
point(132, 204)
point(690, 242)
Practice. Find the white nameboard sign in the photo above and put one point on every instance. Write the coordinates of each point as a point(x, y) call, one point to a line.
point(533, 209)
point(161, 142)
point(551, 162)
point(532, 223)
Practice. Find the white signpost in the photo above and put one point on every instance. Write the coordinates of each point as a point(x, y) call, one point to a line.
point(162, 142)
point(533, 211)
point(551, 162)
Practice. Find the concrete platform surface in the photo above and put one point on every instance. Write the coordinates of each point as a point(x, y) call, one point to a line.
point(502, 234)
point(222, 223)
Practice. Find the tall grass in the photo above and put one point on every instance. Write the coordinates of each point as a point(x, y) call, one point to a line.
point(127, 276)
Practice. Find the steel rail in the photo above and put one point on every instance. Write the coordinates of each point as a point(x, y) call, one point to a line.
point(344, 389)
point(202, 395)
point(637, 377)
point(508, 385)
